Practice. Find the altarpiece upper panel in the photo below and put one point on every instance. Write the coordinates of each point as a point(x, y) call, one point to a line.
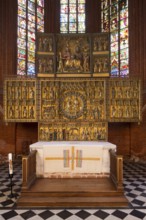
point(71, 55)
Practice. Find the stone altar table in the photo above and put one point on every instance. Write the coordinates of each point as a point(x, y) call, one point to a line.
point(72, 159)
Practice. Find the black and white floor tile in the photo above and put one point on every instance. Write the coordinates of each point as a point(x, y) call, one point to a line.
point(135, 191)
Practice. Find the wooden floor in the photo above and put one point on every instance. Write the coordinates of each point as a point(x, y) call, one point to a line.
point(72, 193)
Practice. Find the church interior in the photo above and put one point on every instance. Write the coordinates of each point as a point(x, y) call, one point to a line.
point(72, 109)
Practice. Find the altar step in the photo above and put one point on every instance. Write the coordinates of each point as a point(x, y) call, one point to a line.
point(72, 202)
point(72, 193)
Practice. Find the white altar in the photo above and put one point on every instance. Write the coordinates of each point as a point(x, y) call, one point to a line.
point(68, 159)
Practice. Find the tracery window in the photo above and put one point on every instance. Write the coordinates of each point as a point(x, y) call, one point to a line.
point(72, 16)
point(30, 20)
point(115, 20)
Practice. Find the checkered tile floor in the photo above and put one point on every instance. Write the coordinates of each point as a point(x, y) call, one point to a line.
point(135, 191)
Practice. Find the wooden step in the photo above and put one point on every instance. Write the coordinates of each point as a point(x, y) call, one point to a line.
point(72, 193)
point(57, 202)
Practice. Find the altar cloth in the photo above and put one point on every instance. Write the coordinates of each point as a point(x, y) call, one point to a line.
point(60, 159)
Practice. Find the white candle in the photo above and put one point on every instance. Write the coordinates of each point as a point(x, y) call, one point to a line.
point(10, 163)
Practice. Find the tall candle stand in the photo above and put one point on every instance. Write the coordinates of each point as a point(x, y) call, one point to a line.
point(11, 185)
point(10, 172)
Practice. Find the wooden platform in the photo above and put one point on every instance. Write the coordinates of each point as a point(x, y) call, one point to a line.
point(72, 193)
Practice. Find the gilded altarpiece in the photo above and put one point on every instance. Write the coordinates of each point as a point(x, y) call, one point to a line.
point(45, 59)
point(100, 55)
point(124, 103)
point(71, 55)
point(73, 110)
point(20, 100)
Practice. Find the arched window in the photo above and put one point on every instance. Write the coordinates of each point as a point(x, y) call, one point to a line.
point(115, 20)
point(72, 16)
point(30, 20)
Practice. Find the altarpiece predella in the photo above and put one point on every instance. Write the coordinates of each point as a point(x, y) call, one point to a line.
point(72, 97)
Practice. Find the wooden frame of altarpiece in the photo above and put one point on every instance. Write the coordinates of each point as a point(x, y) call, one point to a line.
point(72, 108)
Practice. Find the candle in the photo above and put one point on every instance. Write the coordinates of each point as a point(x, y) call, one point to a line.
point(10, 163)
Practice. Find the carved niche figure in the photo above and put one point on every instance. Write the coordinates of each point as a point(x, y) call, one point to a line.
point(71, 57)
point(31, 93)
point(98, 66)
point(31, 112)
point(86, 60)
point(60, 66)
point(24, 113)
point(11, 112)
point(17, 112)
point(49, 65)
point(25, 92)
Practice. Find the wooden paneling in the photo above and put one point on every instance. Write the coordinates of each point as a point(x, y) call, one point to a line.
point(7, 138)
point(25, 132)
point(8, 39)
point(8, 33)
point(119, 134)
point(137, 40)
point(138, 140)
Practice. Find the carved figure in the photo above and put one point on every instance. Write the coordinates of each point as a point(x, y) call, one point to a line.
point(45, 44)
point(86, 60)
point(98, 66)
point(78, 58)
point(95, 45)
point(105, 65)
point(11, 112)
point(99, 44)
point(40, 44)
point(49, 66)
point(24, 112)
point(17, 112)
point(31, 93)
point(105, 44)
point(66, 57)
point(60, 66)
point(31, 112)
point(25, 93)
point(50, 42)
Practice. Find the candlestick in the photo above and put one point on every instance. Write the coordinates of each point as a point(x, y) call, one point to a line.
point(10, 163)
point(10, 171)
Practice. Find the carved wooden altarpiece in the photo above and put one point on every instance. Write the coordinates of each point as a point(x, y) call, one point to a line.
point(72, 109)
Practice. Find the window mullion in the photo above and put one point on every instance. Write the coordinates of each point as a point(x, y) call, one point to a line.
point(26, 37)
point(77, 16)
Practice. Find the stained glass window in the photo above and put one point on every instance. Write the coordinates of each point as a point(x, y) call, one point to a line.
point(115, 20)
point(72, 16)
point(30, 20)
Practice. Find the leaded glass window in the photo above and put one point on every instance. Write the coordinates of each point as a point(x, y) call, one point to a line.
point(72, 16)
point(115, 21)
point(30, 20)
